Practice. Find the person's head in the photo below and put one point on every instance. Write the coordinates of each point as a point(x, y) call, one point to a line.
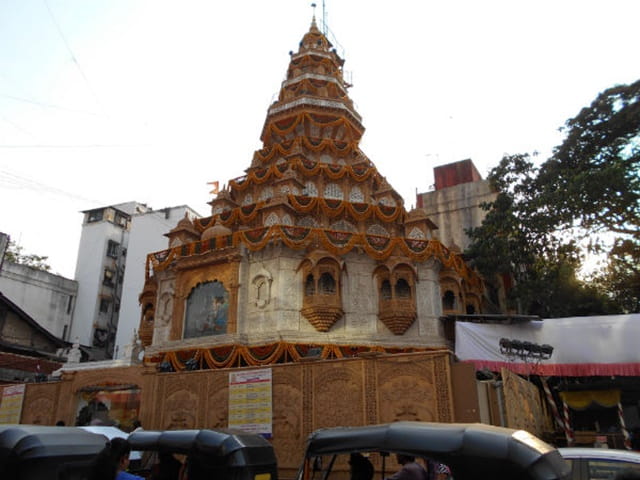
point(136, 424)
point(360, 466)
point(111, 459)
point(402, 459)
point(60, 423)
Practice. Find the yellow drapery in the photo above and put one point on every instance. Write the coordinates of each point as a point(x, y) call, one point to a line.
point(581, 400)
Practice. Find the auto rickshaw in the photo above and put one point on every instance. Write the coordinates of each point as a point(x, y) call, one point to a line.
point(211, 454)
point(35, 452)
point(469, 451)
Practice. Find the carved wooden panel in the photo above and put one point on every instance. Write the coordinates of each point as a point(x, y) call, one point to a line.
point(338, 393)
point(288, 434)
point(411, 388)
point(306, 396)
point(217, 413)
point(39, 405)
point(181, 402)
point(523, 406)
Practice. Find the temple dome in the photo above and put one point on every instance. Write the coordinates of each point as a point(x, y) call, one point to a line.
point(217, 230)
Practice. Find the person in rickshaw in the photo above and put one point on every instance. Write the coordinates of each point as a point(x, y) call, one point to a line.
point(112, 462)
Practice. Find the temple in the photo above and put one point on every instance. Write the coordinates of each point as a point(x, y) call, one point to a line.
point(310, 249)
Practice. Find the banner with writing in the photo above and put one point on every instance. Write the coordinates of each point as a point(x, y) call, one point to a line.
point(250, 401)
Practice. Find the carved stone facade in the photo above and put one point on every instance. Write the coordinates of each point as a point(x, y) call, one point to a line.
point(306, 396)
point(312, 245)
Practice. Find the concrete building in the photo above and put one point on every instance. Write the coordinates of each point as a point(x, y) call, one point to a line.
point(100, 271)
point(110, 271)
point(47, 298)
point(454, 205)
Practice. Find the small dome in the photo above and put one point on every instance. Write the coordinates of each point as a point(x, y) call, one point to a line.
point(185, 223)
point(215, 231)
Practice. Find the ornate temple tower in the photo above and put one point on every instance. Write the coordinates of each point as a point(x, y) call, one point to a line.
point(310, 248)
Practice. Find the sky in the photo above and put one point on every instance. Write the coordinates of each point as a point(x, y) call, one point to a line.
point(108, 101)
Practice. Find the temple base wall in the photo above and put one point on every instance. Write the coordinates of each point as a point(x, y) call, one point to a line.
point(306, 396)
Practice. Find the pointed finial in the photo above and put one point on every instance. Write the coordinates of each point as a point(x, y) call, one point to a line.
point(313, 20)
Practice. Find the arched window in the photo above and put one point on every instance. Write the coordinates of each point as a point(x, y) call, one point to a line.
point(307, 222)
point(356, 195)
point(417, 234)
point(448, 300)
point(309, 285)
point(327, 285)
point(333, 191)
point(387, 201)
point(286, 220)
point(403, 290)
point(271, 220)
point(343, 226)
point(377, 230)
point(471, 309)
point(266, 194)
point(385, 290)
point(310, 189)
point(248, 199)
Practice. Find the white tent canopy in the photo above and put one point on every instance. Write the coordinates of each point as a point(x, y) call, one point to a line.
point(582, 346)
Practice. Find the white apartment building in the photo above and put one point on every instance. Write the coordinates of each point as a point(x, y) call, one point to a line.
point(114, 244)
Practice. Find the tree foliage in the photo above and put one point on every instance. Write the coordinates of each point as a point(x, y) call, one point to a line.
point(593, 178)
point(15, 254)
point(589, 188)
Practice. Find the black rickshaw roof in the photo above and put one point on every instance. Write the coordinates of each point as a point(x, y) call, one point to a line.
point(30, 442)
point(470, 450)
point(243, 448)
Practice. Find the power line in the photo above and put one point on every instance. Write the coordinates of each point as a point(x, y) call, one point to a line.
point(73, 57)
point(13, 180)
point(16, 126)
point(50, 105)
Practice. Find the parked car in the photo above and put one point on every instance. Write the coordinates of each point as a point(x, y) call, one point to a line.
point(34, 452)
point(599, 463)
point(471, 451)
point(213, 454)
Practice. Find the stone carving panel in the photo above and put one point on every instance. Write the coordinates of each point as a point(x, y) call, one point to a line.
point(181, 404)
point(39, 411)
point(288, 435)
point(217, 414)
point(406, 391)
point(337, 387)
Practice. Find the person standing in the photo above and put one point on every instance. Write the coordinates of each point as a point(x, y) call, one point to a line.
point(411, 470)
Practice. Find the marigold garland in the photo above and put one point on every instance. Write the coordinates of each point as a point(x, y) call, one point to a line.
point(336, 242)
point(269, 354)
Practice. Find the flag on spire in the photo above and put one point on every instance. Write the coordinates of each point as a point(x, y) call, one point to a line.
point(215, 187)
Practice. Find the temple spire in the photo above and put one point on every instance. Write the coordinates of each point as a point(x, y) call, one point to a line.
point(313, 18)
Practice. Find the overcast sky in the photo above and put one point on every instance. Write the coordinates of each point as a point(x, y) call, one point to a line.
point(108, 101)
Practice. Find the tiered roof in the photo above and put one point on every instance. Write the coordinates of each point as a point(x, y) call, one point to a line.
point(310, 184)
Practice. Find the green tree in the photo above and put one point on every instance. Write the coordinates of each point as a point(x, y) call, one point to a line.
point(514, 239)
point(15, 254)
point(588, 190)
